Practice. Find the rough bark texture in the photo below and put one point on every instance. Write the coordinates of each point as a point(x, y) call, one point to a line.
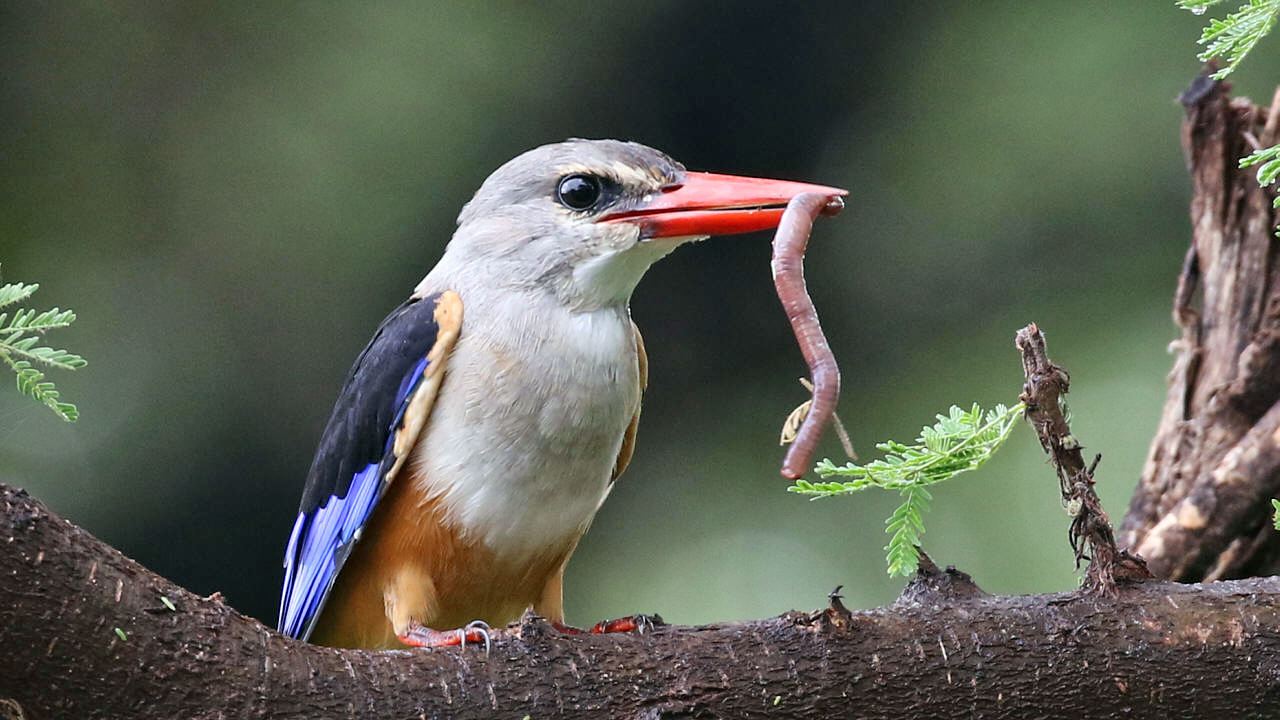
point(946, 649)
point(1201, 510)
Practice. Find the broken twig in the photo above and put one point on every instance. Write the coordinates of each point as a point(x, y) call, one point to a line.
point(1090, 534)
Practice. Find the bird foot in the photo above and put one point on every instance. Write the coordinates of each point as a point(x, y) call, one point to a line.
point(632, 623)
point(476, 631)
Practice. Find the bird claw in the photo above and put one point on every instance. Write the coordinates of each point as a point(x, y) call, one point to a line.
point(632, 623)
point(647, 622)
point(476, 631)
point(638, 624)
point(479, 627)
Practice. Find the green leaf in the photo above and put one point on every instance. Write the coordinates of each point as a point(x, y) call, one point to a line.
point(1267, 173)
point(25, 321)
point(960, 441)
point(15, 292)
point(31, 382)
point(1269, 159)
point(20, 336)
point(905, 527)
point(1275, 520)
point(1234, 36)
point(50, 356)
point(1258, 156)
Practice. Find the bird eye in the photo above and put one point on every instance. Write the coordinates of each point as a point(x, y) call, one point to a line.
point(578, 192)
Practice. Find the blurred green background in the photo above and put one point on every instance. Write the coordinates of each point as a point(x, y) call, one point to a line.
point(232, 196)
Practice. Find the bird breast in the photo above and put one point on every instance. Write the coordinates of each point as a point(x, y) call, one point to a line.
point(530, 418)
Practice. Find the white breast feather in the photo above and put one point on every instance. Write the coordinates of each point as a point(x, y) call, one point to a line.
point(522, 441)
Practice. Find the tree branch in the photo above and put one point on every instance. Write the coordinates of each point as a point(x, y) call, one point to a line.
point(945, 647)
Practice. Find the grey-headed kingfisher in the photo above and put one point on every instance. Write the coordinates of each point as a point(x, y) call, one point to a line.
point(483, 425)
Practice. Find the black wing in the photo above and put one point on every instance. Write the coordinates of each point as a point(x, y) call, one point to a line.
point(358, 450)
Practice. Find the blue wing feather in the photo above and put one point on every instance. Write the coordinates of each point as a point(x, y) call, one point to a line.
point(348, 475)
point(324, 536)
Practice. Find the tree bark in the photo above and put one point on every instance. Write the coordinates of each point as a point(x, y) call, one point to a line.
point(1201, 509)
point(945, 648)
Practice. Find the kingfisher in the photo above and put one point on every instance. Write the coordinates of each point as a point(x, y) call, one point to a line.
point(481, 428)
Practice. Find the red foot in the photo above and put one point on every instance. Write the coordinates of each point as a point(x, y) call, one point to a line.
point(476, 631)
point(631, 623)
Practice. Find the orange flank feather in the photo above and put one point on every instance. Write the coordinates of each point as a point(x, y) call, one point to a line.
point(411, 566)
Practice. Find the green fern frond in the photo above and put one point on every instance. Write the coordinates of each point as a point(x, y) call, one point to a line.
point(15, 338)
point(25, 321)
point(53, 357)
point(20, 347)
point(960, 441)
point(1269, 171)
point(15, 292)
point(905, 527)
point(31, 382)
point(1275, 518)
point(1234, 36)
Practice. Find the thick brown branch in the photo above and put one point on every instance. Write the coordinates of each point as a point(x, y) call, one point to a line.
point(1145, 652)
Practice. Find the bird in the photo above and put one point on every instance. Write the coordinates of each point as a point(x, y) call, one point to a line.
point(484, 424)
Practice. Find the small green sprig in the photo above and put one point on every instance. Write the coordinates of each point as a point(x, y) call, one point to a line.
point(1275, 518)
point(960, 441)
point(1269, 160)
point(1234, 36)
point(905, 526)
point(20, 348)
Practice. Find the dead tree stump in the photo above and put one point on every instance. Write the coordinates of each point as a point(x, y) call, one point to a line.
point(1202, 510)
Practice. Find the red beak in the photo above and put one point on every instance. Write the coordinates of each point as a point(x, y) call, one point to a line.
point(710, 204)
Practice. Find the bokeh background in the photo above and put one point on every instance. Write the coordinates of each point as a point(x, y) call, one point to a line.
point(233, 195)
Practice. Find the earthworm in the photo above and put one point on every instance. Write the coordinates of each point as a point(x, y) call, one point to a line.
point(788, 278)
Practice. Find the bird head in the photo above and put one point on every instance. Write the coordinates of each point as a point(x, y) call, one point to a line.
point(586, 218)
